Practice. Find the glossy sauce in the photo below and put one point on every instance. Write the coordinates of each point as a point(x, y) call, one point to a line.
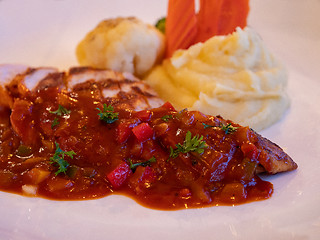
point(131, 156)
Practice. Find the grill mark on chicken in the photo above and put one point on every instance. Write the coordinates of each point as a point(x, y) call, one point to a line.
point(51, 80)
point(34, 76)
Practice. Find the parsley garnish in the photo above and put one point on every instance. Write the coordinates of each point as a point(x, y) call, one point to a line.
point(166, 118)
point(133, 166)
point(108, 115)
point(55, 123)
point(228, 128)
point(61, 111)
point(207, 125)
point(190, 144)
point(58, 159)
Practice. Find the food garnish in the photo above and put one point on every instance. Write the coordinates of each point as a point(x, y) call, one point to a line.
point(227, 128)
point(133, 166)
point(55, 122)
point(107, 114)
point(58, 159)
point(61, 111)
point(190, 144)
point(166, 118)
point(207, 125)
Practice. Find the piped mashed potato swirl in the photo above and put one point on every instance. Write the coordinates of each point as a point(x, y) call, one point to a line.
point(234, 76)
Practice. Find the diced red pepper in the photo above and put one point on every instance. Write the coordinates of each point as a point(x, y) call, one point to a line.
point(249, 150)
point(143, 115)
point(149, 175)
point(143, 132)
point(168, 106)
point(123, 132)
point(119, 175)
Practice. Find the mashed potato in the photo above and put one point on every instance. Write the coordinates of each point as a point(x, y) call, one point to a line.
point(234, 76)
point(122, 44)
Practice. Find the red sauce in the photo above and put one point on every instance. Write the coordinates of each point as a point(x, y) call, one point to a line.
point(136, 155)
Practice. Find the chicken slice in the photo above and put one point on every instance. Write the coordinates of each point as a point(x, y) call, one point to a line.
point(17, 80)
point(117, 88)
point(7, 73)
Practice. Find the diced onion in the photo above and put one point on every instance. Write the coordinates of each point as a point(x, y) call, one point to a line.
point(30, 189)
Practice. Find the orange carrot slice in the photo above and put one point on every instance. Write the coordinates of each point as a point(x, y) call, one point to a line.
point(208, 19)
point(233, 14)
point(181, 25)
point(216, 17)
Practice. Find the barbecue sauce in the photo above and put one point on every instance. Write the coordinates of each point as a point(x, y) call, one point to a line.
point(162, 158)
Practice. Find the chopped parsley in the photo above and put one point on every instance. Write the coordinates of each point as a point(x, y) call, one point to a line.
point(55, 123)
point(108, 115)
point(207, 126)
point(228, 128)
point(166, 118)
point(61, 111)
point(133, 166)
point(190, 144)
point(58, 159)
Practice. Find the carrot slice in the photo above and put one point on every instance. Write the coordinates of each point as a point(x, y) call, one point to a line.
point(208, 19)
point(216, 17)
point(181, 25)
point(233, 14)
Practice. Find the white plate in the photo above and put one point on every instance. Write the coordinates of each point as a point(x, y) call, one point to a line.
point(38, 33)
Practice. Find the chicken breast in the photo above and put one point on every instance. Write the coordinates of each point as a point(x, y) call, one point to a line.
point(119, 89)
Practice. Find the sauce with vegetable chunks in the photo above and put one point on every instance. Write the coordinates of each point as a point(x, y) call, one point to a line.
point(72, 146)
